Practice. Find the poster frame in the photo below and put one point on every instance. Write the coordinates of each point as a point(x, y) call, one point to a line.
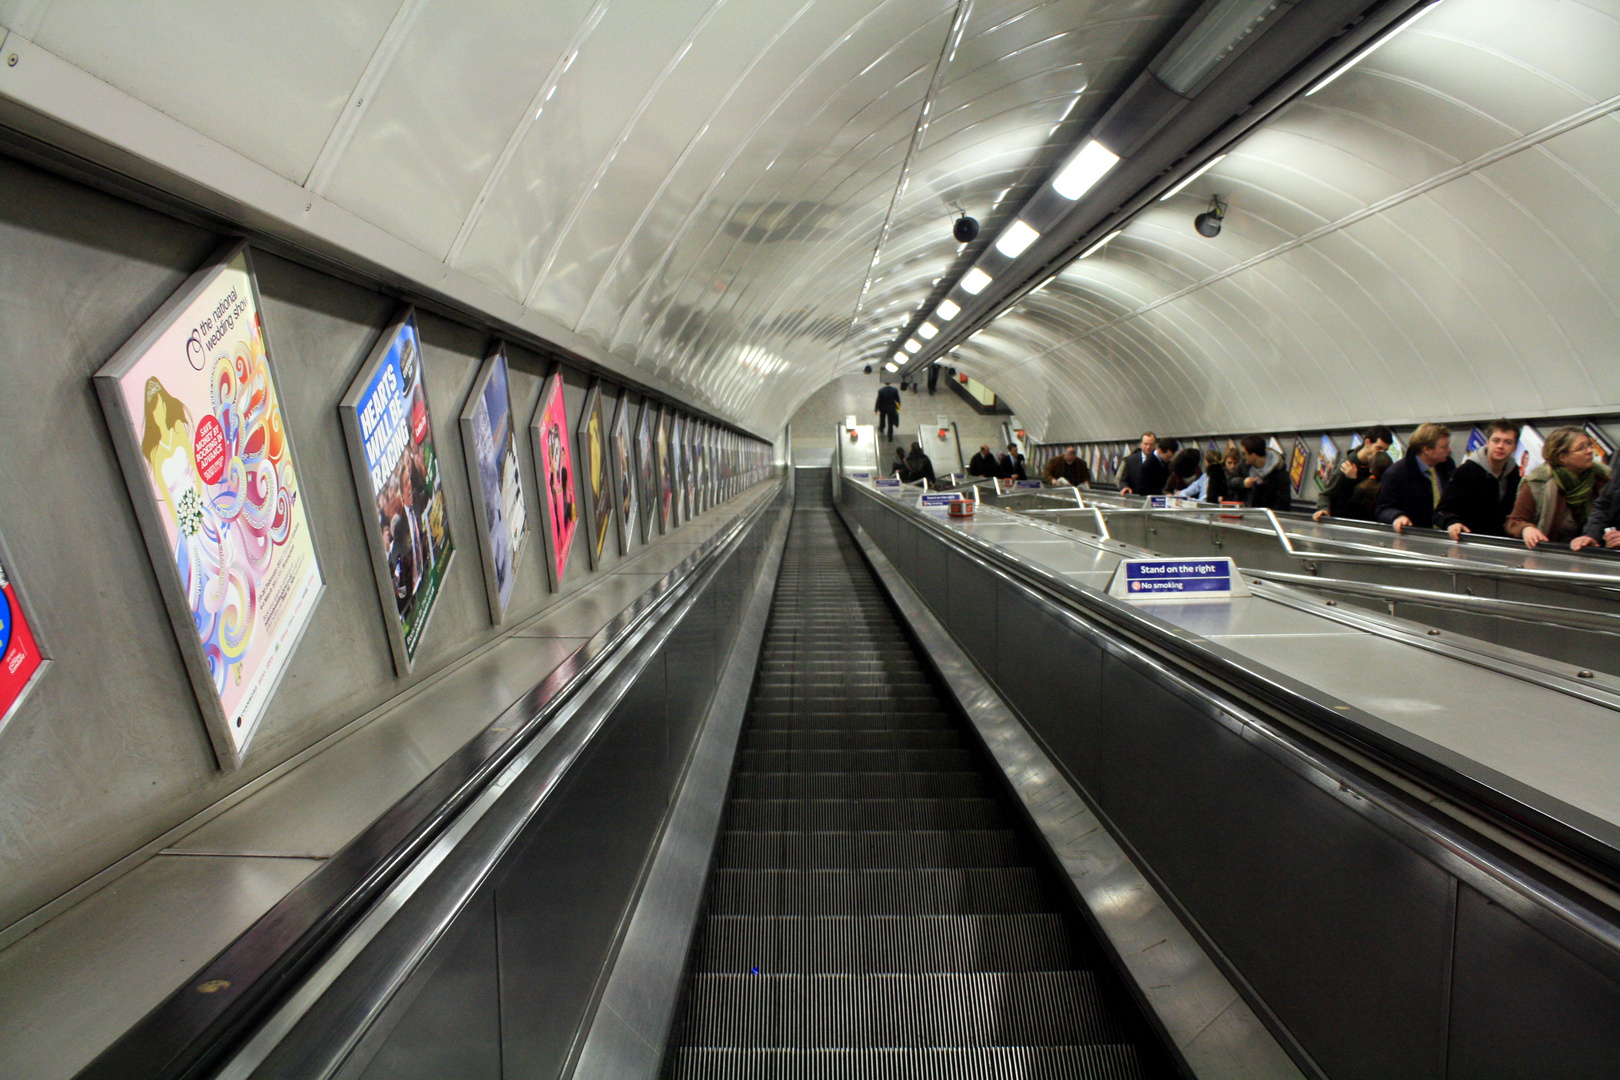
point(126, 443)
point(645, 443)
point(1299, 462)
point(666, 488)
point(1328, 457)
point(475, 479)
point(622, 451)
point(349, 411)
point(596, 531)
point(1604, 444)
point(41, 645)
point(555, 574)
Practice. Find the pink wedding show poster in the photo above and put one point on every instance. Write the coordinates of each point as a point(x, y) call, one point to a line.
point(556, 464)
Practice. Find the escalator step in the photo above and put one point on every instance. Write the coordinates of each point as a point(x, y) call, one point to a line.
point(889, 943)
point(948, 759)
point(965, 813)
point(852, 785)
point(893, 738)
point(1115, 1061)
point(932, 850)
point(962, 891)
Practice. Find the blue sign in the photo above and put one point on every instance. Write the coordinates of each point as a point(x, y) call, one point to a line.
point(1026, 483)
point(943, 498)
point(888, 482)
point(1177, 579)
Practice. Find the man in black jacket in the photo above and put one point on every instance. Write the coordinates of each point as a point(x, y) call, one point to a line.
point(1144, 472)
point(1267, 483)
point(1338, 498)
point(983, 463)
point(888, 410)
point(1414, 485)
point(1480, 496)
point(1010, 466)
point(1603, 523)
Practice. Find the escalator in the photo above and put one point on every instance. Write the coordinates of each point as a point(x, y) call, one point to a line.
point(877, 908)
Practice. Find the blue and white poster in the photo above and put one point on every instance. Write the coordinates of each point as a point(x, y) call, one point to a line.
point(496, 480)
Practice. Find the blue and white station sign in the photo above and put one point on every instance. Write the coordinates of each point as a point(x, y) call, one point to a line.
point(1180, 580)
point(937, 502)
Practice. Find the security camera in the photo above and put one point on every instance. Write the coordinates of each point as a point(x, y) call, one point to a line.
point(965, 230)
point(1209, 222)
point(868, 369)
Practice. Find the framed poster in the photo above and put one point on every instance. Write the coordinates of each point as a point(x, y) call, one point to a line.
point(22, 654)
point(1476, 440)
point(490, 440)
point(1299, 456)
point(559, 493)
point(196, 417)
point(647, 467)
point(400, 481)
point(1602, 445)
point(622, 472)
point(596, 486)
point(1327, 459)
point(679, 469)
point(666, 483)
point(1530, 444)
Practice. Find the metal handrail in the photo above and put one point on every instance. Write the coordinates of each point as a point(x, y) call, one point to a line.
point(1568, 618)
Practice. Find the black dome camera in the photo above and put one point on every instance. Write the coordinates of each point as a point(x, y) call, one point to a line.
point(1209, 222)
point(868, 369)
point(966, 229)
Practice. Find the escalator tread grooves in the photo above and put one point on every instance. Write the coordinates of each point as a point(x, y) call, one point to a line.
point(875, 908)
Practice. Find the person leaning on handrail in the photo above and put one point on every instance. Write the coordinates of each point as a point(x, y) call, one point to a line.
point(1067, 470)
point(920, 466)
point(1185, 467)
point(1213, 474)
point(1556, 497)
point(1483, 489)
point(1338, 497)
point(1144, 472)
point(1603, 523)
point(1414, 485)
point(983, 463)
point(1267, 483)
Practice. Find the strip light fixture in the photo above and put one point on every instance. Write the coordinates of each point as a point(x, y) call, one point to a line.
point(1375, 46)
point(1015, 239)
point(1099, 245)
point(1195, 174)
point(891, 366)
point(947, 310)
point(928, 330)
point(975, 280)
point(1084, 170)
point(912, 345)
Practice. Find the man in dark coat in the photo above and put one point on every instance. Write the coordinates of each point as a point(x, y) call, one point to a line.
point(1480, 496)
point(1267, 484)
point(983, 463)
point(1010, 465)
point(1144, 472)
point(1338, 497)
point(1414, 485)
point(1067, 469)
point(888, 410)
point(1603, 523)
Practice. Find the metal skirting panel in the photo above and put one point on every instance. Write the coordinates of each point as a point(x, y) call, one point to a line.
point(625, 1036)
point(1382, 942)
point(1206, 1020)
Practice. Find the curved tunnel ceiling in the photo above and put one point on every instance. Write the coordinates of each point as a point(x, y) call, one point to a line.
point(1433, 235)
point(694, 186)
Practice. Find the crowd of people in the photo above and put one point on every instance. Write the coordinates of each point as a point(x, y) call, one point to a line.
point(1568, 498)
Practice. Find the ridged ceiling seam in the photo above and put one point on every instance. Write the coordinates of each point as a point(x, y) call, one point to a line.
point(520, 131)
point(582, 196)
point(702, 202)
point(685, 155)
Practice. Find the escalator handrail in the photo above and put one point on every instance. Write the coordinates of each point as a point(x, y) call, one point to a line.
point(1565, 833)
point(191, 1031)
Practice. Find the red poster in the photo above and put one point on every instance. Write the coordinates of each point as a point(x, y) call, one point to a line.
point(20, 660)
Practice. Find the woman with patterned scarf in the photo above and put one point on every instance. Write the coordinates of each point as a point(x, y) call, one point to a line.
point(1556, 497)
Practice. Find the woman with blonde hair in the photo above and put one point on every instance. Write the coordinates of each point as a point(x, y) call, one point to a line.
point(1556, 496)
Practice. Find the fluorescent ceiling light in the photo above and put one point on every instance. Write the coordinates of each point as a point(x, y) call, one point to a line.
point(947, 310)
point(891, 366)
point(1374, 47)
point(1195, 174)
point(975, 280)
point(1084, 169)
point(1094, 248)
point(928, 330)
point(899, 358)
point(1227, 24)
point(913, 345)
point(1015, 240)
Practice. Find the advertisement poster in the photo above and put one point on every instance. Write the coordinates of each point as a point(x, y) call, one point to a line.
point(1530, 444)
point(1602, 445)
point(666, 482)
point(1476, 441)
point(621, 455)
point(401, 484)
point(559, 493)
point(496, 479)
point(22, 659)
point(195, 414)
point(597, 486)
point(1327, 459)
point(647, 467)
point(1299, 456)
point(680, 470)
